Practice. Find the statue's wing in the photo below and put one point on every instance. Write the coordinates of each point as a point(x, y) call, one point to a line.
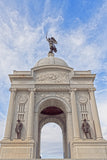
point(54, 41)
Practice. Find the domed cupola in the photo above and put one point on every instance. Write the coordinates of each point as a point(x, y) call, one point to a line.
point(51, 60)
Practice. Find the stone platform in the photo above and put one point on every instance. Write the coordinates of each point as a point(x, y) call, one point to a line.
point(81, 150)
point(53, 159)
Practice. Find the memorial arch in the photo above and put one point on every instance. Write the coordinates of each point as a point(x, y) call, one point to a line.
point(53, 92)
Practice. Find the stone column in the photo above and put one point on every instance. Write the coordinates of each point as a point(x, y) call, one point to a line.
point(30, 115)
point(65, 155)
point(95, 114)
point(69, 134)
point(74, 115)
point(36, 135)
point(7, 134)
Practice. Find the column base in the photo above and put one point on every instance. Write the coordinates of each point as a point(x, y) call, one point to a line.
point(5, 139)
point(100, 139)
point(76, 139)
point(30, 140)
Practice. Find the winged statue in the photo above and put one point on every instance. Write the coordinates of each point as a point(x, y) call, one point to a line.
point(52, 43)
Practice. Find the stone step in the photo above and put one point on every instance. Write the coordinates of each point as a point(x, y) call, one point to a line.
point(55, 159)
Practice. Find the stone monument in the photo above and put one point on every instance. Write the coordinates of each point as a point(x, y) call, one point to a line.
point(53, 92)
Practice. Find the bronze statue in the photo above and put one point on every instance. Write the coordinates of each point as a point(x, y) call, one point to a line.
point(86, 129)
point(52, 41)
point(18, 129)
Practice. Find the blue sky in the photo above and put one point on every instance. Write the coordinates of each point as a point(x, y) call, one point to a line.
point(79, 26)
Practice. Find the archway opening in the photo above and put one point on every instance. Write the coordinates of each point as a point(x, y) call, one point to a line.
point(51, 141)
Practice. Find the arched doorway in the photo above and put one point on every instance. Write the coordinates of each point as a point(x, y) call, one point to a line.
point(52, 110)
point(51, 141)
point(53, 114)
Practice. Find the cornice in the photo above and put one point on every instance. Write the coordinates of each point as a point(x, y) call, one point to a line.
point(90, 142)
point(20, 76)
point(84, 76)
point(51, 67)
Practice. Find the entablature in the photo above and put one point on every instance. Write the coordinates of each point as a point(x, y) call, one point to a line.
point(53, 87)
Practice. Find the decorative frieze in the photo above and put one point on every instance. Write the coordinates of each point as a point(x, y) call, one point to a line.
point(52, 88)
point(52, 77)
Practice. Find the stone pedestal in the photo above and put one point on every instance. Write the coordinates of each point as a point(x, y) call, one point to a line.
point(16, 149)
point(89, 149)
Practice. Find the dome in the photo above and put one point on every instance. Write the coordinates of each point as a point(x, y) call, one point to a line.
point(51, 60)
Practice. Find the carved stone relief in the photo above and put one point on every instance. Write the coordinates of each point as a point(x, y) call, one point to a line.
point(83, 107)
point(52, 77)
point(22, 97)
point(52, 88)
point(83, 99)
point(64, 95)
point(41, 95)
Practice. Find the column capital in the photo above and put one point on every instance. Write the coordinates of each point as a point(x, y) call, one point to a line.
point(12, 89)
point(91, 89)
point(32, 89)
point(73, 89)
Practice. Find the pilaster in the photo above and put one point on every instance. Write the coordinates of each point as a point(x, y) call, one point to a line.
point(95, 114)
point(74, 115)
point(7, 134)
point(30, 115)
